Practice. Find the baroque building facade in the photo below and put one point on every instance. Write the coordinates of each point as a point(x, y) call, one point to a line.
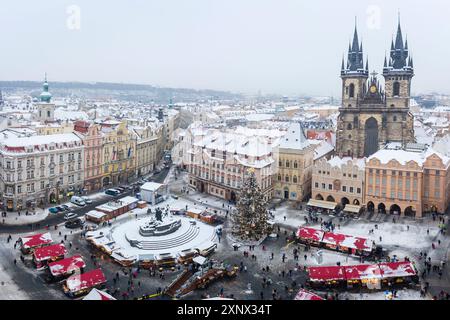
point(371, 116)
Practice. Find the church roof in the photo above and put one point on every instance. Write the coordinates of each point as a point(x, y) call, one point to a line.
point(295, 138)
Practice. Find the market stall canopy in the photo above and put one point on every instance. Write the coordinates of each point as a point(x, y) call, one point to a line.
point(199, 260)
point(307, 295)
point(322, 204)
point(397, 269)
point(66, 266)
point(36, 240)
point(330, 273)
point(352, 208)
point(48, 252)
point(310, 234)
point(343, 240)
point(86, 280)
point(96, 294)
point(363, 271)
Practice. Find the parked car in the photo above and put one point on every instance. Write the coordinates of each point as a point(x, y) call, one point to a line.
point(53, 210)
point(78, 201)
point(73, 224)
point(60, 208)
point(65, 207)
point(70, 216)
point(112, 192)
point(175, 197)
point(87, 199)
point(121, 189)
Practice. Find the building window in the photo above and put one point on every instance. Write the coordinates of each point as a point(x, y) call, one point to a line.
point(316, 185)
point(294, 179)
point(344, 188)
point(358, 190)
point(351, 189)
point(279, 177)
point(295, 165)
point(396, 92)
point(351, 90)
point(330, 187)
point(286, 178)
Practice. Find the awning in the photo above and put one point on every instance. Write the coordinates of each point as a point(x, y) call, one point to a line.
point(322, 204)
point(352, 208)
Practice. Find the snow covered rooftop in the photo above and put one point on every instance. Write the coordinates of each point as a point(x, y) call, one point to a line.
point(295, 138)
point(13, 141)
point(339, 162)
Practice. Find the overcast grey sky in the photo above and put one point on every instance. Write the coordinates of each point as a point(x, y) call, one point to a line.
point(276, 46)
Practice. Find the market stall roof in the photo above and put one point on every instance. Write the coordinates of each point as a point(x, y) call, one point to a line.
point(326, 273)
point(307, 295)
point(310, 234)
point(48, 252)
point(362, 271)
point(36, 240)
point(199, 260)
point(322, 204)
point(347, 241)
point(95, 214)
point(397, 269)
point(96, 294)
point(151, 186)
point(86, 280)
point(352, 208)
point(66, 266)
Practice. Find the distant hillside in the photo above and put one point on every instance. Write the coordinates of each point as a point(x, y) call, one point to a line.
point(119, 90)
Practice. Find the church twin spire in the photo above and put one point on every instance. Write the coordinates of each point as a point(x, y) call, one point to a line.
point(399, 55)
point(355, 62)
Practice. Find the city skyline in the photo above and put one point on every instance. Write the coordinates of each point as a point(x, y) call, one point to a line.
point(239, 47)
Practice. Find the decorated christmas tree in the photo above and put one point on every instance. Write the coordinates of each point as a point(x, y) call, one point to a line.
point(251, 215)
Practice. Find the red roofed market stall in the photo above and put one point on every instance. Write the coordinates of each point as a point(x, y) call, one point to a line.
point(307, 295)
point(371, 276)
point(43, 255)
point(63, 268)
point(78, 285)
point(29, 243)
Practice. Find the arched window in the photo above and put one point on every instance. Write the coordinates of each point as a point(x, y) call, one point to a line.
point(395, 118)
point(287, 164)
point(351, 93)
point(48, 113)
point(349, 126)
point(295, 165)
point(294, 179)
point(392, 105)
point(355, 121)
point(396, 89)
point(279, 177)
point(287, 179)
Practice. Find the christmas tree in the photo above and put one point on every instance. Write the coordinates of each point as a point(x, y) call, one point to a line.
point(250, 218)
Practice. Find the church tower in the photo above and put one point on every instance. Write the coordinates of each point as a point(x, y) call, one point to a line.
point(45, 109)
point(354, 77)
point(369, 116)
point(398, 73)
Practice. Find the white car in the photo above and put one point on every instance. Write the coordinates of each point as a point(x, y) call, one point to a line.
point(87, 200)
point(70, 216)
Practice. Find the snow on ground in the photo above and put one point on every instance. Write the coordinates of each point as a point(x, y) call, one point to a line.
point(407, 294)
point(9, 290)
point(13, 218)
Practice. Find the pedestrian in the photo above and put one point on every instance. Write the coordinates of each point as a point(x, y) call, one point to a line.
point(305, 257)
point(15, 262)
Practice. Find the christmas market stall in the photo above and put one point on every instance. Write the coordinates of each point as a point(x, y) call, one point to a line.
point(330, 276)
point(347, 244)
point(370, 276)
point(43, 255)
point(62, 269)
point(96, 216)
point(118, 207)
point(29, 243)
point(310, 236)
point(307, 295)
point(78, 285)
point(363, 276)
point(398, 273)
point(100, 295)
